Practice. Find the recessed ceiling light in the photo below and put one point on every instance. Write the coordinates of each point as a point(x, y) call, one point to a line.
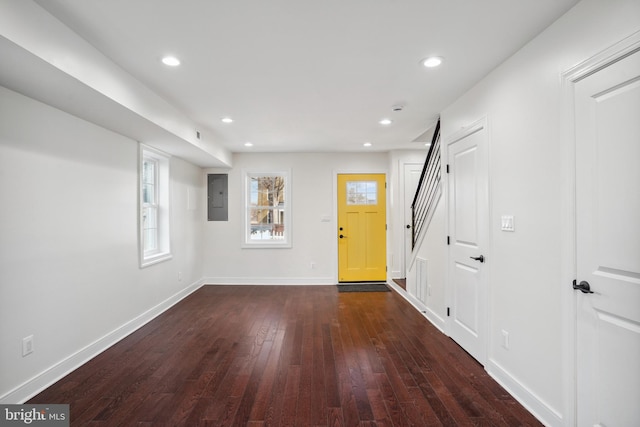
point(248, 144)
point(171, 61)
point(367, 144)
point(385, 122)
point(432, 61)
point(227, 120)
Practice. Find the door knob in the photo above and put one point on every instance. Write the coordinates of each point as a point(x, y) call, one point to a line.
point(408, 226)
point(478, 258)
point(342, 236)
point(583, 287)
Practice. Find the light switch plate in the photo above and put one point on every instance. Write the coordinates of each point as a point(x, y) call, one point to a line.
point(507, 223)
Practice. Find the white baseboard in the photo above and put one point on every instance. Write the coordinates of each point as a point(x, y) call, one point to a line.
point(269, 281)
point(436, 320)
point(52, 374)
point(546, 414)
point(431, 316)
point(540, 409)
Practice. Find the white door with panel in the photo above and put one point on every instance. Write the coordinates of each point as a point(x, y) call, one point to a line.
point(607, 114)
point(468, 202)
point(412, 172)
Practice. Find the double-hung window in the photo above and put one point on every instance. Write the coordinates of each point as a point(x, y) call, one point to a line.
point(154, 206)
point(267, 209)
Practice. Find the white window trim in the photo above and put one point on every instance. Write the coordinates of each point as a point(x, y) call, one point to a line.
point(246, 235)
point(163, 253)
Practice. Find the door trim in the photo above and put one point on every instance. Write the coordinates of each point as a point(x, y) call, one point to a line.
point(569, 78)
point(407, 258)
point(474, 127)
point(334, 209)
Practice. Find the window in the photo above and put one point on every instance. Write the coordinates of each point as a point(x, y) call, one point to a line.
point(154, 206)
point(362, 193)
point(267, 210)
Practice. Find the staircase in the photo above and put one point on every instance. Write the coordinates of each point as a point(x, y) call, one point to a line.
point(428, 192)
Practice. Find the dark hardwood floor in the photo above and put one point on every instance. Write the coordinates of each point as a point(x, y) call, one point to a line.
point(401, 282)
point(286, 356)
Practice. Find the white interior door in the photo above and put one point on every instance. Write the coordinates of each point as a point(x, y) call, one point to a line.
point(468, 229)
point(412, 172)
point(608, 245)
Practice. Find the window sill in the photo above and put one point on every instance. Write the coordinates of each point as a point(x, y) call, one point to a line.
point(261, 245)
point(155, 259)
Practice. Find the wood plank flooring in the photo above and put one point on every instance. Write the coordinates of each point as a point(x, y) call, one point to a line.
point(286, 356)
point(401, 282)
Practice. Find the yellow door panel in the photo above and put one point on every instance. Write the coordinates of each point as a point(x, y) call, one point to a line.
point(361, 227)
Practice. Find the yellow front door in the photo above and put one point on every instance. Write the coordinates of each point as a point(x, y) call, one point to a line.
point(362, 228)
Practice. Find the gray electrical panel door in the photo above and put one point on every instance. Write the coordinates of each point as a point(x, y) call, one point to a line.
point(218, 197)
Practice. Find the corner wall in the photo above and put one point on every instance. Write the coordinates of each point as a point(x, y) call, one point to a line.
point(522, 100)
point(69, 271)
point(314, 236)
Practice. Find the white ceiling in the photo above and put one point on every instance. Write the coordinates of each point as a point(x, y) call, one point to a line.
point(302, 75)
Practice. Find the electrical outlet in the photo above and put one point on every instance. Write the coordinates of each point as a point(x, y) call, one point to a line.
point(312, 265)
point(179, 276)
point(27, 345)
point(505, 339)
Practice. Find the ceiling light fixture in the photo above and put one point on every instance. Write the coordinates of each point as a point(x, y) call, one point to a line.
point(248, 144)
point(367, 144)
point(227, 120)
point(432, 61)
point(171, 61)
point(385, 122)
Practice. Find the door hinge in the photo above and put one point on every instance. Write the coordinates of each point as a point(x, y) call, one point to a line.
point(447, 168)
point(448, 240)
point(448, 312)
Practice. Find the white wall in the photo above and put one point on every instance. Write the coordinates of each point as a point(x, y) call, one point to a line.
point(432, 302)
point(523, 102)
point(431, 298)
point(314, 241)
point(69, 271)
